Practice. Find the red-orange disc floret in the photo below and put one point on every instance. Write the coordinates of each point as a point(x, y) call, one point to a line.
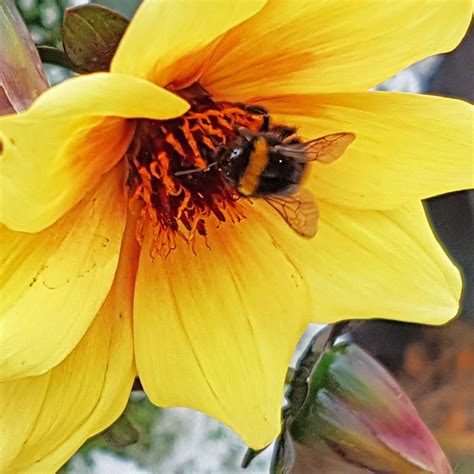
point(179, 206)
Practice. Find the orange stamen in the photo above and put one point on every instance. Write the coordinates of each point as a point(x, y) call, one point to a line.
point(173, 204)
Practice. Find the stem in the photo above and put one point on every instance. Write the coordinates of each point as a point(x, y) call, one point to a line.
point(51, 55)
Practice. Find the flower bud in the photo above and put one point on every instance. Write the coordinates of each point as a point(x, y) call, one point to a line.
point(356, 418)
point(22, 77)
point(121, 434)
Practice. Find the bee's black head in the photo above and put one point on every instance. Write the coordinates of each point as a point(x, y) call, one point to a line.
point(232, 160)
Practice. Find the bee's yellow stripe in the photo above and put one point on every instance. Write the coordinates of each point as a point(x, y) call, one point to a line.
point(258, 161)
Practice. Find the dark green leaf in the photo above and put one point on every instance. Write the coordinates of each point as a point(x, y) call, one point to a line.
point(91, 34)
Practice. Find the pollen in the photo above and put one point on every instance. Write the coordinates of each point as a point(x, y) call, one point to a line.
point(175, 187)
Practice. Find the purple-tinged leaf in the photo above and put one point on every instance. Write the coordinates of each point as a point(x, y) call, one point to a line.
point(355, 409)
point(22, 77)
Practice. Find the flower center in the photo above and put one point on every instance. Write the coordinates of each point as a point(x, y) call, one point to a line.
point(173, 176)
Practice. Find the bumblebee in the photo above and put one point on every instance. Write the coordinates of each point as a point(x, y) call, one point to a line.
point(272, 163)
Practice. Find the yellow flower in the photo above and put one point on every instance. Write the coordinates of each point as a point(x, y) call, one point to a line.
point(89, 207)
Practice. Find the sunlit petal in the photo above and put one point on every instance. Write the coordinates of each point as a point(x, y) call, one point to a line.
point(375, 264)
point(173, 31)
point(45, 419)
point(215, 329)
point(54, 282)
point(59, 149)
point(330, 45)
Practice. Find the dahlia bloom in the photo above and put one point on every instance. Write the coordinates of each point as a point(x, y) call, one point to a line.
point(113, 265)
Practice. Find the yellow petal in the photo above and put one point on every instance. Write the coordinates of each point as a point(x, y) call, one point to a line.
point(331, 45)
point(215, 330)
point(375, 264)
point(407, 146)
point(45, 419)
point(53, 283)
point(55, 152)
point(174, 31)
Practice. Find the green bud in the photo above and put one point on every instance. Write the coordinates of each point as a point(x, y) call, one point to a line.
point(356, 418)
point(121, 434)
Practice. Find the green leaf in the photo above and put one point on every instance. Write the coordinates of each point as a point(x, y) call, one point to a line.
point(91, 34)
point(283, 457)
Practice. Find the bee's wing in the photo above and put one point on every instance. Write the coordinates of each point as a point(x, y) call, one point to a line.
point(299, 210)
point(324, 149)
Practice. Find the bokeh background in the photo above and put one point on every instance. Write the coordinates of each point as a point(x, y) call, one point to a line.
point(425, 360)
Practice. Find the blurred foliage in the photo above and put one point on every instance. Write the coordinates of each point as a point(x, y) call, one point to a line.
point(125, 7)
point(142, 414)
point(173, 441)
point(44, 17)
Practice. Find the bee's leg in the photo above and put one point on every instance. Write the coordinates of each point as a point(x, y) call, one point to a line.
point(265, 124)
point(253, 109)
point(259, 110)
point(195, 170)
point(256, 109)
point(210, 160)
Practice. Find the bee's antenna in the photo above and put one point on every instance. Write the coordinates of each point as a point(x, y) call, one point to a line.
point(195, 170)
point(245, 133)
